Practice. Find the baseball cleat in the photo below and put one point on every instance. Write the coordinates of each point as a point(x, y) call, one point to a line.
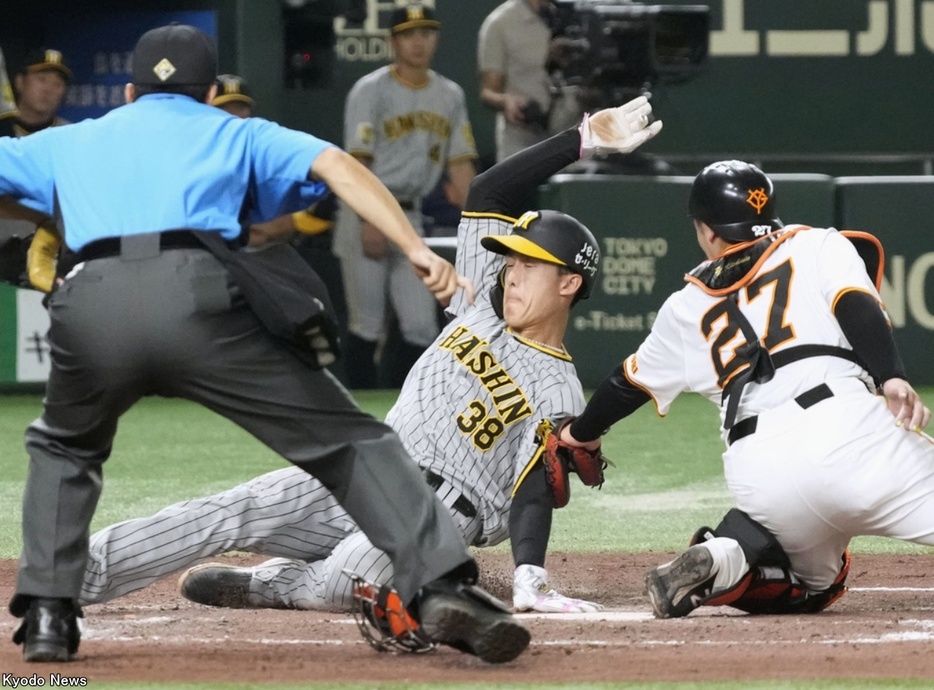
point(226, 586)
point(469, 619)
point(678, 587)
point(49, 631)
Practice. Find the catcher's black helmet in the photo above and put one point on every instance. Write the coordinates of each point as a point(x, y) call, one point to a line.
point(554, 237)
point(736, 200)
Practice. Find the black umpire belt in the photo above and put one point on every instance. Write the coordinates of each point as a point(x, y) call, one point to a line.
point(462, 505)
point(112, 246)
point(808, 398)
point(407, 204)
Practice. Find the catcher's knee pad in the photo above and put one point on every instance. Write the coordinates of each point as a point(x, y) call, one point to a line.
point(763, 590)
point(769, 587)
point(777, 590)
point(818, 601)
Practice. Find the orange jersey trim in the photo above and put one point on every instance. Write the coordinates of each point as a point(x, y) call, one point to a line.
point(746, 279)
point(839, 295)
point(642, 388)
point(876, 279)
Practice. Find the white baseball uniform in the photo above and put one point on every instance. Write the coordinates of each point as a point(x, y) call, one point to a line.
point(814, 477)
point(472, 413)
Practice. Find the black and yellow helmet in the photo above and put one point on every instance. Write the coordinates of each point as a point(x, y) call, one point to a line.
point(554, 237)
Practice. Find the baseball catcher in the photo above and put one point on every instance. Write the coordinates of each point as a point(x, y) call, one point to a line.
point(783, 328)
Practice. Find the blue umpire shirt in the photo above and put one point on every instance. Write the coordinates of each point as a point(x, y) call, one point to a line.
point(163, 162)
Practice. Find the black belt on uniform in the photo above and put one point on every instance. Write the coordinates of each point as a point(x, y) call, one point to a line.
point(110, 246)
point(747, 427)
point(406, 204)
point(462, 505)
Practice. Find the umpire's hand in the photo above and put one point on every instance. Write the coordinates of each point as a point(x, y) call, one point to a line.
point(358, 188)
point(439, 275)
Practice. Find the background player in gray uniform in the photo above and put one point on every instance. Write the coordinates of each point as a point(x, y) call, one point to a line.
point(407, 123)
point(474, 413)
point(41, 83)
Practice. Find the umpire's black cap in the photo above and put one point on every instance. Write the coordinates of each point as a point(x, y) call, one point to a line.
point(413, 16)
point(174, 55)
point(554, 237)
point(233, 89)
point(46, 60)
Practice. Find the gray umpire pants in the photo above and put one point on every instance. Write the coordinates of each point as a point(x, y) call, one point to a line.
point(168, 323)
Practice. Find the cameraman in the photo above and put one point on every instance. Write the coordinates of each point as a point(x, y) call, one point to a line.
point(515, 51)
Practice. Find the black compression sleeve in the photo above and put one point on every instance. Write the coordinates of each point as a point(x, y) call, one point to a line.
point(507, 187)
point(530, 519)
point(864, 324)
point(614, 399)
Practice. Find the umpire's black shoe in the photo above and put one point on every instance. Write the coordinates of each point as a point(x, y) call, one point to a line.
point(469, 619)
point(49, 631)
point(679, 586)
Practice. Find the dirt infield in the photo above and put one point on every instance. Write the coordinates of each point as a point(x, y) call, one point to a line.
point(884, 628)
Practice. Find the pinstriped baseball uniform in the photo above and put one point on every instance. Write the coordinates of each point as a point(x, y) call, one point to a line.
point(471, 414)
point(410, 133)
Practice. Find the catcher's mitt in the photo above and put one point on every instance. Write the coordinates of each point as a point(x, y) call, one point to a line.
point(560, 459)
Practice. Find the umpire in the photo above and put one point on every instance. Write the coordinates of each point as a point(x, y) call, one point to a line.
point(150, 311)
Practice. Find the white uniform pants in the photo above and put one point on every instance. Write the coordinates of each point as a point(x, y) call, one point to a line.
point(818, 477)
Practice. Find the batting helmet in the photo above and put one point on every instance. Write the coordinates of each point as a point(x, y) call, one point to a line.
point(736, 200)
point(554, 237)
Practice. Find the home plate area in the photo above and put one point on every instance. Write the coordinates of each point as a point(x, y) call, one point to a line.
point(883, 628)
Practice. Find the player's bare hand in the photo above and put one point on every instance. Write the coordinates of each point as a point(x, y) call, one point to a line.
point(512, 107)
point(565, 437)
point(619, 130)
point(374, 243)
point(907, 406)
point(439, 275)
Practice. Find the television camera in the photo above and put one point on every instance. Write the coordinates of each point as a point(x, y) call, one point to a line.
point(614, 50)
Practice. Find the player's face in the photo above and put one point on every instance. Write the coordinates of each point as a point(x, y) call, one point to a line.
point(238, 109)
point(704, 235)
point(535, 291)
point(41, 92)
point(416, 47)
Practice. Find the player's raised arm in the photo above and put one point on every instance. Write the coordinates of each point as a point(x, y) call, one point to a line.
point(505, 188)
point(500, 195)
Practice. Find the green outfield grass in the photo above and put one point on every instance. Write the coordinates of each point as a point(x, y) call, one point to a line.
point(666, 482)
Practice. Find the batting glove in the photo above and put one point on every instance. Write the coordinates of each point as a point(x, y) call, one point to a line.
point(531, 592)
point(618, 130)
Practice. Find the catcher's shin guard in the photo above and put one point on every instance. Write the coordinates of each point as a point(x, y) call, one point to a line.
point(384, 621)
point(773, 591)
